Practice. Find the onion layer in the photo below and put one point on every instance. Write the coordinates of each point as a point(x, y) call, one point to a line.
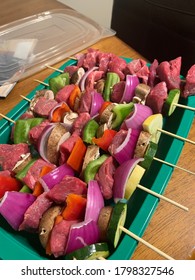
point(42, 142)
point(126, 150)
point(131, 82)
point(96, 103)
point(49, 180)
point(95, 201)
point(121, 177)
point(82, 234)
point(14, 205)
point(140, 114)
point(64, 109)
point(84, 77)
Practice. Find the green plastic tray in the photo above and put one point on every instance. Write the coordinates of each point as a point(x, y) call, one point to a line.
point(141, 207)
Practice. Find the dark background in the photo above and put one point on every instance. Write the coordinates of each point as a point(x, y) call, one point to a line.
point(161, 29)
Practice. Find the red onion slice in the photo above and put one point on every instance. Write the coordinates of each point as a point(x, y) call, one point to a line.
point(131, 82)
point(84, 77)
point(42, 141)
point(140, 114)
point(56, 107)
point(82, 234)
point(121, 177)
point(125, 151)
point(49, 180)
point(96, 103)
point(14, 205)
point(95, 201)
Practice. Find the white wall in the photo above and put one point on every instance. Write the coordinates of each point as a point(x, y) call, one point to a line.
point(98, 10)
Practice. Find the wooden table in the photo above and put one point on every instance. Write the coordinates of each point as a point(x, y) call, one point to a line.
point(171, 229)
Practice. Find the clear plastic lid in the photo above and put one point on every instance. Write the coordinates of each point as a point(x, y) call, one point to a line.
point(28, 44)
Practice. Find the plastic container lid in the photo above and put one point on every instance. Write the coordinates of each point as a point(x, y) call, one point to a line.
point(28, 44)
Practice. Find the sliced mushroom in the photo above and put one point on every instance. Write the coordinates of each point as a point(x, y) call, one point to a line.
point(25, 159)
point(107, 114)
point(92, 153)
point(64, 137)
point(142, 144)
point(52, 144)
point(47, 222)
point(76, 77)
point(103, 221)
point(136, 99)
point(101, 129)
point(69, 119)
point(99, 85)
point(142, 91)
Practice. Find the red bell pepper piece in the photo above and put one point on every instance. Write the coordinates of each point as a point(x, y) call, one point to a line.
point(8, 183)
point(75, 93)
point(76, 157)
point(75, 207)
point(106, 139)
point(59, 112)
point(104, 106)
point(38, 188)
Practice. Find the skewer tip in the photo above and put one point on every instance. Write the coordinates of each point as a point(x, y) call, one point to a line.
point(41, 82)
point(53, 68)
point(7, 118)
point(176, 136)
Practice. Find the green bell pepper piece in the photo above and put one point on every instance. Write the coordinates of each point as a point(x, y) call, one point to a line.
point(149, 155)
point(58, 82)
point(121, 111)
point(92, 168)
point(21, 174)
point(22, 128)
point(89, 131)
point(111, 79)
point(25, 189)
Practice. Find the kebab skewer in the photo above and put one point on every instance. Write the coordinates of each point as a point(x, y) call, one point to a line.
point(139, 175)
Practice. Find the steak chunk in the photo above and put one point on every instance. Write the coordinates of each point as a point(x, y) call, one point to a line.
point(35, 212)
point(36, 131)
point(80, 122)
point(64, 93)
point(157, 97)
point(11, 154)
point(105, 177)
point(59, 237)
point(33, 173)
point(69, 184)
point(138, 67)
point(117, 65)
point(189, 88)
point(66, 148)
point(44, 106)
point(169, 72)
point(152, 78)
